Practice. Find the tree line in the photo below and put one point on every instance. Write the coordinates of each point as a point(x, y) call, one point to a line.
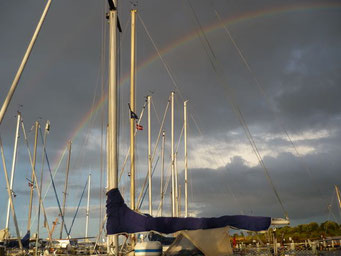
point(300, 233)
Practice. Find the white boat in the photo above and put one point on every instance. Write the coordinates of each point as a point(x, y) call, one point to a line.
point(148, 248)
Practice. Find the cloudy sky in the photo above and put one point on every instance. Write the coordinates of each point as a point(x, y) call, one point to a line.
point(261, 71)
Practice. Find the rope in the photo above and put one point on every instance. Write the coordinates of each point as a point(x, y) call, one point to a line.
point(79, 203)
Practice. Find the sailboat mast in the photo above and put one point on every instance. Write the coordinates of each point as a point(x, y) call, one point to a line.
point(179, 201)
point(35, 178)
point(13, 166)
point(65, 188)
point(185, 151)
point(112, 103)
point(172, 155)
point(23, 62)
point(112, 111)
point(176, 186)
point(10, 195)
point(162, 168)
point(36, 125)
point(149, 156)
point(40, 189)
point(88, 208)
point(338, 195)
point(132, 106)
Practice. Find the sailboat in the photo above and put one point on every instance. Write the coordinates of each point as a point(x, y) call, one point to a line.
point(120, 218)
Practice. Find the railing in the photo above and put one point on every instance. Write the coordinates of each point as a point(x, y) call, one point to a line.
point(320, 248)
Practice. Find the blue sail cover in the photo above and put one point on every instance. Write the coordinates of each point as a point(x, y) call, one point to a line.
point(121, 219)
point(24, 241)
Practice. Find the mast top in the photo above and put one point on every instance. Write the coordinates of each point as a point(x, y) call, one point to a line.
point(112, 6)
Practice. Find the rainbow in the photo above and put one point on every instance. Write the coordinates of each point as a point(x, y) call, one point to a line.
point(261, 13)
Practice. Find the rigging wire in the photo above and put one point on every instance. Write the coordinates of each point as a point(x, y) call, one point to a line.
point(53, 185)
point(161, 128)
point(79, 203)
point(49, 186)
point(220, 75)
point(144, 192)
point(154, 151)
point(263, 93)
point(167, 68)
point(34, 174)
point(155, 111)
point(174, 81)
point(10, 192)
point(211, 59)
point(169, 168)
point(127, 154)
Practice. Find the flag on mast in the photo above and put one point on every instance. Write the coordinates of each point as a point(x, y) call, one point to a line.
point(132, 114)
point(139, 127)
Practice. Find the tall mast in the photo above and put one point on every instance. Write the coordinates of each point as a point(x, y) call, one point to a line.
point(172, 155)
point(36, 124)
point(162, 168)
point(88, 208)
point(112, 110)
point(36, 180)
point(149, 156)
point(10, 195)
point(112, 101)
point(132, 106)
point(186, 171)
point(23, 62)
point(13, 166)
point(176, 186)
point(40, 188)
point(338, 195)
point(179, 201)
point(65, 188)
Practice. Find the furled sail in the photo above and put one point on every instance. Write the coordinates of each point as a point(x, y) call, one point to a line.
point(24, 241)
point(121, 219)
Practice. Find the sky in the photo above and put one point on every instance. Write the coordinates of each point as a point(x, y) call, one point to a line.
point(261, 73)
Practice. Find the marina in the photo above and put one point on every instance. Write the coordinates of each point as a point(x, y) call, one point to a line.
point(143, 171)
